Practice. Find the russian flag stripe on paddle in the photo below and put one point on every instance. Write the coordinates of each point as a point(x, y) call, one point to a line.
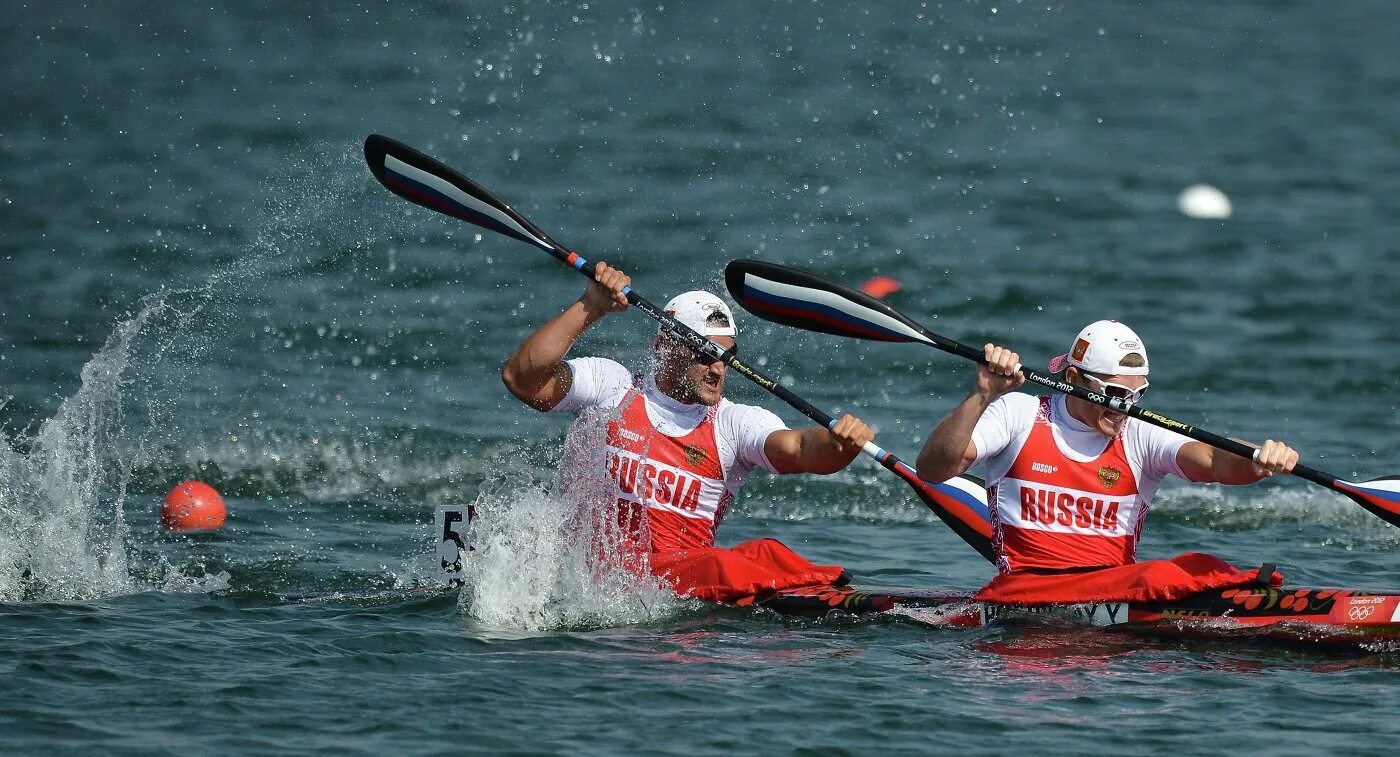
point(962, 494)
point(962, 497)
point(447, 198)
point(838, 314)
point(1381, 497)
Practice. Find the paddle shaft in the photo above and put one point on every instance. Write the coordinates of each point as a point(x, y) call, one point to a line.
point(1157, 419)
point(800, 299)
point(1113, 403)
point(425, 181)
point(976, 539)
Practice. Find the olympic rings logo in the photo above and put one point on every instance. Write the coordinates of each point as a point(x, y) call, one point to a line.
point(1360, 612)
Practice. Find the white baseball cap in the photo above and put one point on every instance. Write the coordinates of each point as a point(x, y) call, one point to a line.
point(694, 309)
point(1101, 347)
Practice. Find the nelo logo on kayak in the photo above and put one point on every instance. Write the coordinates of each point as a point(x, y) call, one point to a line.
point(1177, 613)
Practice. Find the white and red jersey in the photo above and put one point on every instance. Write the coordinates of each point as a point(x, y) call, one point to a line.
point(675, 467)
point(1062, 495)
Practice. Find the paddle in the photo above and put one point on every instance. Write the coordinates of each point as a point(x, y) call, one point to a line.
point(424, 181)
point(794, 298)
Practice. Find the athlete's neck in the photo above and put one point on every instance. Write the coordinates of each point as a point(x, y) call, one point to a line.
point(1081, 411)
point(671, 393)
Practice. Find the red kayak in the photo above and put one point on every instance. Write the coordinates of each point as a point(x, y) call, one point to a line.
point(1318, 616)
point(1328, 616)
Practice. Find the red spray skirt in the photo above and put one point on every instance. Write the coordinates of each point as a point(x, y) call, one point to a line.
point(1151, 581)
point(719, 574)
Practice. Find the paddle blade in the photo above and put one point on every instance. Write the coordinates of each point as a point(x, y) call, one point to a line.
point(961, 503)
point(795, 298)
point(1381, 496)
point(425, 181)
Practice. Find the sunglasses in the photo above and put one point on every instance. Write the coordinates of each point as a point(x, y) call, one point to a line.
point(1118, 391)
point(707, 360)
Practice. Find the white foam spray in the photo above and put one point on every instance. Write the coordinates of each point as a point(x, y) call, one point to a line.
point(543, 551)
point(62, 534)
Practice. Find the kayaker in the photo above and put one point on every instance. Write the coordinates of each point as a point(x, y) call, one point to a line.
point(1069, 481)
point(677, 452)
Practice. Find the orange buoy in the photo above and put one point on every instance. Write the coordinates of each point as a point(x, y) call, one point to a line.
point(880, 286)
point(193, 506)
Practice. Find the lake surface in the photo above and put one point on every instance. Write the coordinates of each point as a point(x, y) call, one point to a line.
point(200, 279)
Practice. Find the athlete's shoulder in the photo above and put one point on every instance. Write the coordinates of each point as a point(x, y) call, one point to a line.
point(596, 381)
point(1014, 409)
point(741, 417)
point(1141, 432)
point(600, 367)
point(1019, 401)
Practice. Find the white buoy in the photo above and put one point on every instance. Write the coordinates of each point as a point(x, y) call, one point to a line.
point(1204, 201)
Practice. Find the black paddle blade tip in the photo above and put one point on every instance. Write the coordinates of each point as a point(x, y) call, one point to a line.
point(801, 300)
point(376, 147)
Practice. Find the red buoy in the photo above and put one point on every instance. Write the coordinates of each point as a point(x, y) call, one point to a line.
point(880, 286)
point(193, 506)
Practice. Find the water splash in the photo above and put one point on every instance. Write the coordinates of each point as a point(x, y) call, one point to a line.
point(62, 534)
point(538, 560)
point(63, 486)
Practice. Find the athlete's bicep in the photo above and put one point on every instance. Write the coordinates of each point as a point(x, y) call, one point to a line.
point(553, 391)
point(1003, 421)
point(749, 430)
point(783, 449)
point(1196, 461)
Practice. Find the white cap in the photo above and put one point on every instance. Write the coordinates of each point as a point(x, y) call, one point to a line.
point(694, 309)
point(1101, 347)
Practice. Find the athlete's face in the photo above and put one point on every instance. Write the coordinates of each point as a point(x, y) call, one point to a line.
point(1105, 421)
point(686, 376)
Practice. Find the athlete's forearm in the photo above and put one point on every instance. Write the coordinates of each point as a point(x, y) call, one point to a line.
point(1228, 468)
point(822, 453)
point(944, 453)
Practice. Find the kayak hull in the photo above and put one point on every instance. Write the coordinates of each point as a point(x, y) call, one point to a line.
point(1321, 615)
point(1341, 616)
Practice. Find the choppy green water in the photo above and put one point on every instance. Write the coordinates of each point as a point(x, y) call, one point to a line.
point(199, 278)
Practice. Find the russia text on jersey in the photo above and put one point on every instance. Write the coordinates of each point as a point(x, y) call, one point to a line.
point(663, 486)
point(1065, 510)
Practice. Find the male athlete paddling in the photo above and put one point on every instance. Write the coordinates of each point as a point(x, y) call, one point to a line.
point(1069, 482)
point(678, 452)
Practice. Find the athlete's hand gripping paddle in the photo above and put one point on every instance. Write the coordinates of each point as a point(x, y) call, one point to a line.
point(796, 298)
point(424, 181)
